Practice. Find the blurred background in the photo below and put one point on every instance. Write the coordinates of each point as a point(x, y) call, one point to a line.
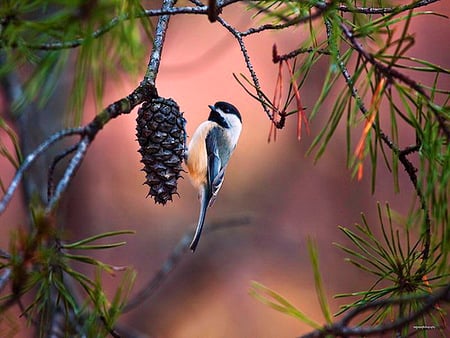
point(287, 196)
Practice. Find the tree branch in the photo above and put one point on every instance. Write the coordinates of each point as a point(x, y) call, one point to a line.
point(295, 53)
point(145, 91)
point(69, 173)
point(342, 329)
point(391, 73)
point(164, 11)
point(402, 155)
point(385, 10)
point(158, 42)
point(30, 159)
point(321, 7)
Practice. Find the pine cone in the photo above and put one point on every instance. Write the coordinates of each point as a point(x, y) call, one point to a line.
point(162, 137)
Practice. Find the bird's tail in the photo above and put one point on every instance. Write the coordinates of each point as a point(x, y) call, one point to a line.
point(205, 197)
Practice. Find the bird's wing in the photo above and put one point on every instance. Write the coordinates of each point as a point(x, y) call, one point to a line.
point(216, 169)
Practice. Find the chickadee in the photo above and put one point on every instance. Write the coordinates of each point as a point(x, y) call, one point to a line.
point(208, 153)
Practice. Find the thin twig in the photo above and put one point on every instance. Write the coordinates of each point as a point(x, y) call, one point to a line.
point(238, 36)
point(69, 173)
point(299, 51)
point(385, 10)
point(321, 7)
point(51, 170)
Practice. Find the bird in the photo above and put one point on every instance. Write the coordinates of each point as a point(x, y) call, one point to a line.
point(208, 154)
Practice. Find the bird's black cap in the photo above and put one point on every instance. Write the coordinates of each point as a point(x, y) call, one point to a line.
point(227, 108)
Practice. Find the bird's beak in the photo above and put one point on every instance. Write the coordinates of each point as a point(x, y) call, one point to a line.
point(212, 108)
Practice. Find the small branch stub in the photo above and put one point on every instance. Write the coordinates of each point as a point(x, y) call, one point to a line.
point(162, 136)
